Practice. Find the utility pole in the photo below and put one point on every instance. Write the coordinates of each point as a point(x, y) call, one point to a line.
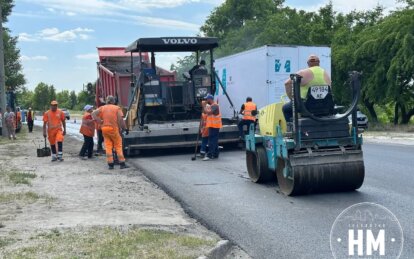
point(2, 75)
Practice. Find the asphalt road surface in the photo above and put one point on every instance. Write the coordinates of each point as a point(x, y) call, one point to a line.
point(267, 224)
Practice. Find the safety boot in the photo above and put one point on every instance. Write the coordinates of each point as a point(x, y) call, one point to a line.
point(123, 165)
point(110, 166)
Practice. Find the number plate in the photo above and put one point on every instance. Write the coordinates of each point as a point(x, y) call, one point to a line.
point(320, 91)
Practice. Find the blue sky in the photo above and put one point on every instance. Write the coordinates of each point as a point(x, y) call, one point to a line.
point(58, 38)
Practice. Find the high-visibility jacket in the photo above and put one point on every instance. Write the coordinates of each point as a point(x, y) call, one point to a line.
point(54, 119)
point(214, 121)
point(247, 113)
point(109, 115)
point(88, 125)
point(204, 129)
point(318, 79)
point(18, 118)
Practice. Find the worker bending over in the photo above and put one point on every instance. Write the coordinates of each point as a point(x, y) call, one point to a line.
point(314, 75)
point(53, 121)
point(110, 118)
point(249, 111)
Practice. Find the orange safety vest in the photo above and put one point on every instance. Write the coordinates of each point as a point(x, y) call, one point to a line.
point(247, 113)
point(204, 129)
point(18, 116)
point(109, 115)
point(214, 121)
point(54, 119)
point(88, 125)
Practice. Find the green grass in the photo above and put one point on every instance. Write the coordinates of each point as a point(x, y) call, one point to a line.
point(114, 243)
point(20, 178)
point(26, 197)
point(4, 241)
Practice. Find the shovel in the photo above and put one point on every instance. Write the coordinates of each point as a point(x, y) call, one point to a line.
point(42, 152)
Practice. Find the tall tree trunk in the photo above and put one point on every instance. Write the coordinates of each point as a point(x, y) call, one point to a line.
point(370, 107)
point(406, 116)
point(396, 113)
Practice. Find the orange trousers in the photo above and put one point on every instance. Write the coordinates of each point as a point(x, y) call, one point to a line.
point(112, 141)
point(55, 135)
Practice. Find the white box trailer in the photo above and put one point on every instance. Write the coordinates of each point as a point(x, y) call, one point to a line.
point(260, 73)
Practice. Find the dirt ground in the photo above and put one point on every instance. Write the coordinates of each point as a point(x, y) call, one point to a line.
point(39, 197)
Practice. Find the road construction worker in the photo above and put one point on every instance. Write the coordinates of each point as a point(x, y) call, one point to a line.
point(214, 125)
point(30, 119)
point(249, 111)
point(203, 131)
point(87, 129)
point(201, 66)
point(312, 76)
point(110, 118)
point(18, 119)
point(53, 122)
point(10, 120)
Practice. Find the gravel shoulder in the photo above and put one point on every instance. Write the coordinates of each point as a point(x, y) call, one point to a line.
point(384, 137)
point(41, 197)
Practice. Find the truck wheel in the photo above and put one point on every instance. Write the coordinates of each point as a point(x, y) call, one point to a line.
point(257, 166)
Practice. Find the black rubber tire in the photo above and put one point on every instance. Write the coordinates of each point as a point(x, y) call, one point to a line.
point(257, 166)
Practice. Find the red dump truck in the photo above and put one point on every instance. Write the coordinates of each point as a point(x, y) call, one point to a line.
point(115, 77)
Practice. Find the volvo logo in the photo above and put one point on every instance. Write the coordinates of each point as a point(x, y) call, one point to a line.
point(180, 41)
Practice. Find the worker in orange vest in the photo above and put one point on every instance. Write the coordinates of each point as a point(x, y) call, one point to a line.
point(203, 131)
point(214, 125)
point(110, 118)
point(53, 121)
point(18, 119)
point(87, 129)
point(249, 111)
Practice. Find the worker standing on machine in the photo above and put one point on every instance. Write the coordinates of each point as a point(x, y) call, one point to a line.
point(53, 121)
point(249, 111)
point(214, 125)
point(110, 117)
point(312, 76)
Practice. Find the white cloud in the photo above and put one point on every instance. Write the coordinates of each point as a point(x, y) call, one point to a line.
point(88, 56)
point(121, 10)
point(166, 23)
point(27, 58)
point(26, 37)
point(53, 34)
point(165, 60)
point(49, 31)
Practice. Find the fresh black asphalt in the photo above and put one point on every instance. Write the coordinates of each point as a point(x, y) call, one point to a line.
point(267, 224)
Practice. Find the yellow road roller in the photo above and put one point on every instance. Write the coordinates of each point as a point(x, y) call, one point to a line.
point(321, 153)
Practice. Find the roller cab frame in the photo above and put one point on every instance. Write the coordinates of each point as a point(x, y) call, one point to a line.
point(322, 154)
point(166, 113)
